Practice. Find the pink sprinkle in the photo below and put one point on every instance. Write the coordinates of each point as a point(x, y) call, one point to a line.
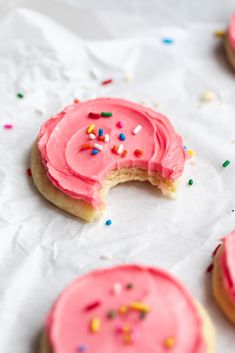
point(107, 82)
point(120, 124)
point(8, 126)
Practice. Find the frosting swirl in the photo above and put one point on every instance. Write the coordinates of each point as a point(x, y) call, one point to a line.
point(231, 32)
point(227, 262)
point(125, 309)
point(72, 167)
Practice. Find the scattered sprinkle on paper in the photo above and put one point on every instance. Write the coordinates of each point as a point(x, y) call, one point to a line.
point(128, 77)
point(219, 33)
point(20, 95)
point(208, 96)
point(107, 82)
point(8, 126)
point(168, 41)
point(108, 222)
point(106, 257)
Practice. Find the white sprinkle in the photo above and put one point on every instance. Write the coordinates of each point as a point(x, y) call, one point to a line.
point(128, 77)
point(137, 129)
point(106, 138)
point(92, 136)
point(208, 96)
point(120, 149)
point(95, 73)
point(98, 147)
point(106, 257)
point(117, 288)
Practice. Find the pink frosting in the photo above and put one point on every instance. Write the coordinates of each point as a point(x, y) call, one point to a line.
point(231, 31)
point(227, 261)
point(172, 314)
point(80, 174)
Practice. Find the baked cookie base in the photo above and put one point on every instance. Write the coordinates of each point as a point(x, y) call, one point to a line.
point(83, 209)
point(230, 52)
point(208, 333)
point(221, 296)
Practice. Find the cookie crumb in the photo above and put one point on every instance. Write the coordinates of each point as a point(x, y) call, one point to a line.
point(219, 34)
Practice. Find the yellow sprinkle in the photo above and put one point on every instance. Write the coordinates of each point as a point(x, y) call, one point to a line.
point(90, 128)
point(95, 325)
point(123, 309)
point(191, 153)
point(219, 34)
point(169, 342)
point(140, 307)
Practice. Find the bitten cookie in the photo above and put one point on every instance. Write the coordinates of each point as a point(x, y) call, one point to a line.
point(92, 146)
point(130, 308)
point(223, 276)
point(230, 41)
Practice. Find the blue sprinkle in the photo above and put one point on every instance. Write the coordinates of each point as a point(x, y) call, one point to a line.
point(122, 137)
point(168, 41)
point(108, 222)
point(185, 147)
point(81, 348)
point(94, 151)
point(101, 132)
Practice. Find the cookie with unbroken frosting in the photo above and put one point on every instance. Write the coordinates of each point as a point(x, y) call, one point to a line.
point(223, 276)
point(92, 146)
point(230, 41)
point(129, 308)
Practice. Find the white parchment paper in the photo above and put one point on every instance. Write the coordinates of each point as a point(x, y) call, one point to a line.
point(41, 248)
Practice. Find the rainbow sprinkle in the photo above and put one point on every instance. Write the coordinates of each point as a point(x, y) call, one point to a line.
point(106, 114)
point(95, 325)
point(122, 137)
point(169, 342)
point(226, 163)
point(90, 128)
point(120, 124)
point(94, 152)
point(8, 126)
point(137, 129)
point(138, 153)
point(94, 115)
point(108, 222)
point(101, 132)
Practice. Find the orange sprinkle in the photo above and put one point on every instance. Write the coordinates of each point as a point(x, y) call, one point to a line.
point(138, 153)
point(85, 146)
point(169, 342)
point(76, 100)
point(124, 153)
point(123, 309)
point(114, 149)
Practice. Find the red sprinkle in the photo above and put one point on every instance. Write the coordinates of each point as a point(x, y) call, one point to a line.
point(138, 153)
point(107, 82)
point(8, 126)
point(216, 249)
point(114, 149)
point(92, 306)
point(29, 172)
point(210, 268)
point(94, 115)
point(124, 153)
point(85, 146)
point(101, 138)
point(76, 101)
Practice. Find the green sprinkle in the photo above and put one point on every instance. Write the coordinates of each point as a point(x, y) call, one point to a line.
point(190, 182)
point(106, 114)
point(226, 163)
point(143, 315)
point(111, 314)
point(20, 95)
